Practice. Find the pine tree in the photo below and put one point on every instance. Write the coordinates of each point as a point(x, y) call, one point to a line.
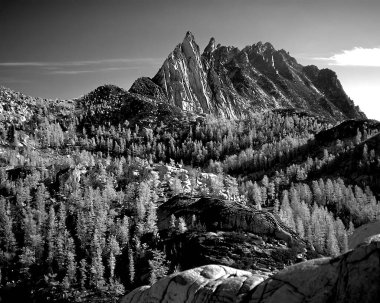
point(123, 232)
point(271, 191)
point(71, 268)
point(317, 193)
point(97, 267)
point(276, 207)
point(142, 201)
point(332, 247)
point(181, 225)
point(351, 229)
point(300, 227)
point(176, 186)
point(158, 267)
point(151, 218)
point(341, 235)
point(318, 236)
point(294, 197)
point(131, 266)
point(112, 265)
point(216, 186)
point(286, 212)
point(172, 223)
point(27, 258)
point(31, 239)
point(51, 235)
point(40, 198)
point(256, 195)
point(83, 273)
point(61, 238)
point(317, 229)
point(7, 238)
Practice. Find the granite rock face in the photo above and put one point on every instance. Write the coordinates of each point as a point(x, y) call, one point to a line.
point(226, 81)
point(217, 214)
point(183, 78)
point(351, 277)
point(210, 283)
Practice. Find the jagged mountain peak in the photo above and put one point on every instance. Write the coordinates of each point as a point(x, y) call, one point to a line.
point(187, 48)
point(263, 47)
point(226, 81)
point(189, 36)
point(183, 78)
point(210, 46)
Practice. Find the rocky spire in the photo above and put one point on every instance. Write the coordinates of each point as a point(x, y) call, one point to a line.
point(183, 77)
point(210, 47)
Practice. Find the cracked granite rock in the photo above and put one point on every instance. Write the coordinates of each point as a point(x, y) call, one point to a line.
point(209, 283)
point(218, 214)
point(351, 277)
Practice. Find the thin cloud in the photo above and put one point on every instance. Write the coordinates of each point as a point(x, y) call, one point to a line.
point(358, 56)
point(70, 72)
point(96, 70)
point(22, 64)
point(82, 63)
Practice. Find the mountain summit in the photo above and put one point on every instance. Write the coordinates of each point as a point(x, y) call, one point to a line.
point(226, 81)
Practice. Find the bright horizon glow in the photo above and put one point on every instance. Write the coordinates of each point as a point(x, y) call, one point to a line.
point(358, 56)
point(367, 97)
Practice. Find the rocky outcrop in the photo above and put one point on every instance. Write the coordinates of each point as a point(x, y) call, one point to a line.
point(146, 87)
point(228, 233)
point(211, 283)
point(226, 81)
point(351, 277)
point(145, 104)
point(217, 214)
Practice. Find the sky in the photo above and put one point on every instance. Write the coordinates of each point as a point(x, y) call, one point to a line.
point(66, 48)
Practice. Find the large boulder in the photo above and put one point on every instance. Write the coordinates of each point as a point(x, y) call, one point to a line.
point(351, 277)
point(210, 283)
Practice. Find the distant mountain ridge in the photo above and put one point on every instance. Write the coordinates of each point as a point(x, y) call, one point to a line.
point(228, 82)
point(222, 81)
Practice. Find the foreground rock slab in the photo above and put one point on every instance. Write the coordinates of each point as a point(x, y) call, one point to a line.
point(209, 283)
point(351, 277)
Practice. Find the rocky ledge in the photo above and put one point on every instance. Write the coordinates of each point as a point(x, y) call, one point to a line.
point(351, 277)
point(219, 214)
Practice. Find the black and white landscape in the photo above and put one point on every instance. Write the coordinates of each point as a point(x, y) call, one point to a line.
point(229, 174)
